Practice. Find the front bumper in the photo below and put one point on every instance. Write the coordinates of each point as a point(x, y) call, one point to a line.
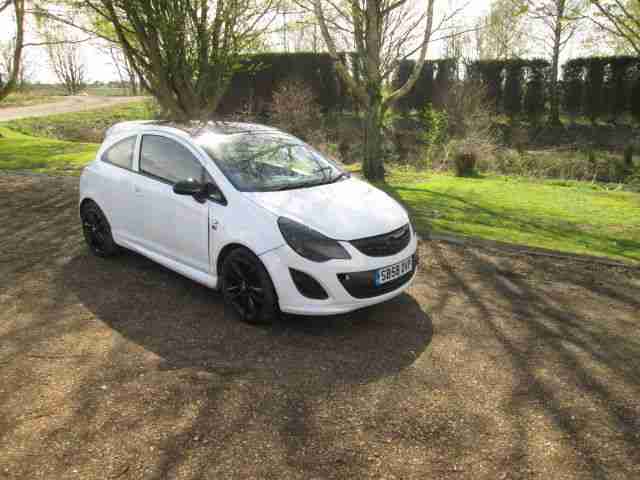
point(279, 261)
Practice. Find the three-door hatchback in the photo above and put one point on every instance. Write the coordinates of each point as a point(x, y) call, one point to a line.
point(250, 210)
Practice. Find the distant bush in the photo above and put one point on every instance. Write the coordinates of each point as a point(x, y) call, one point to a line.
point(586, 165)
point(295, 110)
point(435, 130)
point(465, 160)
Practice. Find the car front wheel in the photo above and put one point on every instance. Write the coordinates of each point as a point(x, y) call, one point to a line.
point(97, 231)
point(247, 287)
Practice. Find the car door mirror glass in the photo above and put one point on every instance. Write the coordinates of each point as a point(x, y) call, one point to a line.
point(189, 187)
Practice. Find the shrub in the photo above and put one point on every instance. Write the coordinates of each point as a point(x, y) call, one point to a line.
point(465, 161)
point(295, 110)
point(435, 124)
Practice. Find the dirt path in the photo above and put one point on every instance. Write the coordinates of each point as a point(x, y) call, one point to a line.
point(65, 105)
point(491, 367)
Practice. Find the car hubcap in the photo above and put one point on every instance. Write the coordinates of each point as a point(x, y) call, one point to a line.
point(243, 288)
point(95, 230)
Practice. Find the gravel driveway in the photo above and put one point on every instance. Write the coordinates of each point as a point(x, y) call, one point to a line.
point(64, 105)
point(491, 367)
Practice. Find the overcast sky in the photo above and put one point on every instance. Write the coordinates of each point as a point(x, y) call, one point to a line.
point(100, 68)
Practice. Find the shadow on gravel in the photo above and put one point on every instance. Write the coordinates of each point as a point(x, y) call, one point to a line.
point(187, 325)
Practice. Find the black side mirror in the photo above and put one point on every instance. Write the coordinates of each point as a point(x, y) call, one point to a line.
point(199, 191)
point(215, 194)
point(190, 187)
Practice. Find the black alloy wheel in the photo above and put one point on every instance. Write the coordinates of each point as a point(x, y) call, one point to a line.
point(247, 287)
point(97, 231)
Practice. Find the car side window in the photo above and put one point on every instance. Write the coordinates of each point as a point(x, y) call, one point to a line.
point(121, 154)
point(167, 160)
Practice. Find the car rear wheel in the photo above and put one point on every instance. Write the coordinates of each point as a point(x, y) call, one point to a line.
point(97, 231)
point(247, 287)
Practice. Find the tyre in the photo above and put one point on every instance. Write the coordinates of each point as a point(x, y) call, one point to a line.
point(247, 287)
point(97, 231)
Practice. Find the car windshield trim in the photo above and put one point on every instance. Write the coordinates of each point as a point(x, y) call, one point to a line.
point(255, 161)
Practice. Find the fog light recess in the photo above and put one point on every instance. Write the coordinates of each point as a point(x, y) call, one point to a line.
point(307, 285)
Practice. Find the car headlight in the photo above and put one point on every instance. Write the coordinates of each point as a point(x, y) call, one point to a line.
point(311, 244)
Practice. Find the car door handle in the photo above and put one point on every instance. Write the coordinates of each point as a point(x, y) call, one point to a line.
point(137, 190)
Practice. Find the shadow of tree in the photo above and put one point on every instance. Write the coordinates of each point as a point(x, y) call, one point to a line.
point(490, 367)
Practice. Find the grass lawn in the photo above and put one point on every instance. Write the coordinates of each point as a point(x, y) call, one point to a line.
point(86, 126)
point(575, 217)
point(25, 99)
point(43, 155)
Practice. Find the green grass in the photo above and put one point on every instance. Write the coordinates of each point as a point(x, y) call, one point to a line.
point(22, 152)
point(86, 126)
point(574, 217)
point(25, 99)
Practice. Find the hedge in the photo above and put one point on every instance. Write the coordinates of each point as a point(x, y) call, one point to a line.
point(513, 85)
point(432, 86)
point(260, 75)
point(599, 86)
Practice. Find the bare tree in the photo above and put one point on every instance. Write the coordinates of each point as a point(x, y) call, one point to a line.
point(126, 73)
point(502, 32)
point(382, 33)
point(560, 20)
point(621, 19)
point(12, 75)
point(66, 59)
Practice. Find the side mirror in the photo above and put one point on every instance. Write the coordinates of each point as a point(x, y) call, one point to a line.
point(215, 194)
point(189, 187)
point(199, 191)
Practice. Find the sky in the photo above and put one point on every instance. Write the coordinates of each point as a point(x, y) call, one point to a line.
point(99, 67)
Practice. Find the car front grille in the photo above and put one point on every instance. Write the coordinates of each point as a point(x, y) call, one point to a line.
point(384, 245)
point(363, 284)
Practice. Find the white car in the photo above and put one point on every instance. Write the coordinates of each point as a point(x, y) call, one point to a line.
point(250, 210)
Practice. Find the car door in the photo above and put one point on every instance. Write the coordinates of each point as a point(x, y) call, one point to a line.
point(116, 184)
point(174, 226)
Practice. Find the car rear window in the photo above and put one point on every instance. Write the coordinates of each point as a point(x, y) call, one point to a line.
point(121, 154)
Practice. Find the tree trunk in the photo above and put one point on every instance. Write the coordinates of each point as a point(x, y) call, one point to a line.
point(554, 113)
point(14, 75)
point(373, 162)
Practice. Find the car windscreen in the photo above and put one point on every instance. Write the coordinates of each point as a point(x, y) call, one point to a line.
point(268, 161)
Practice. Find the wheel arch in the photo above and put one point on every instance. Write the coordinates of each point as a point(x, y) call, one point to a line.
point(226, 250)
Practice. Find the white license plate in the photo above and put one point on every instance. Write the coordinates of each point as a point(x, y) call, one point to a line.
point(390, 273)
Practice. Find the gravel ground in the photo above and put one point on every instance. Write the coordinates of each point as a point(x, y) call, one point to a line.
point(490, 367)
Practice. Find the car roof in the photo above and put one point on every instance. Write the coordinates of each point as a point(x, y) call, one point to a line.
point(192, 129)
